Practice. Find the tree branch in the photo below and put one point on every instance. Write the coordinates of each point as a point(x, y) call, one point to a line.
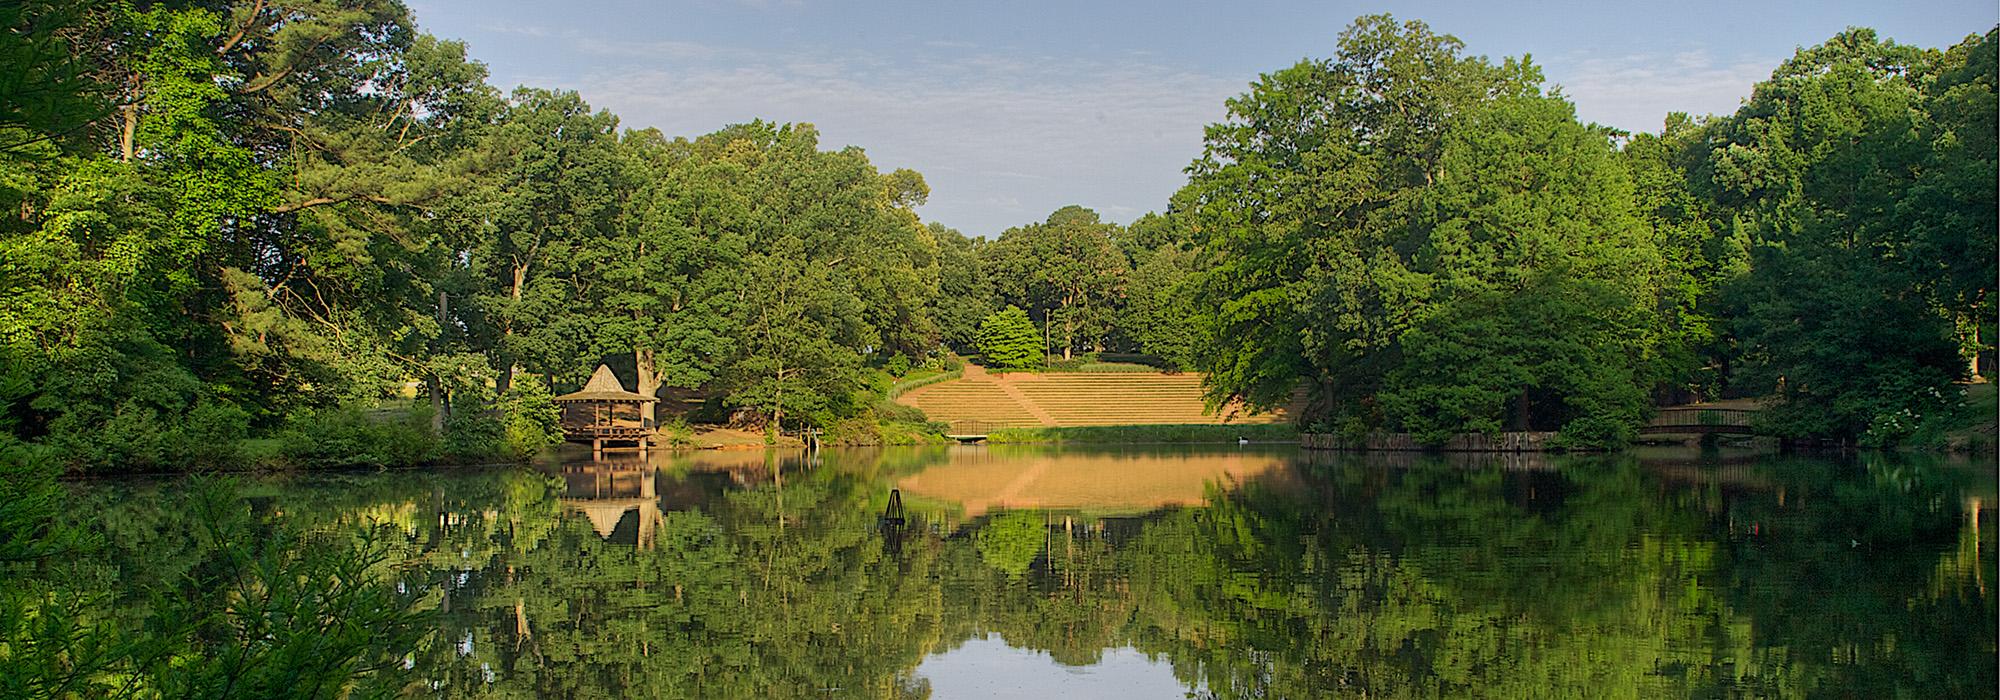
point(266, 82)
point(248, 22)
point(321, 201)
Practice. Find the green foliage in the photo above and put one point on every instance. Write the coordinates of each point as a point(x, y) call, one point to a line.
point(1007, 340)
point(1161, 308)
point(267, 609)
point(922, 379)
point(898, 365)
point(1474, 244)
point(234, 220)
point(965, 291)
point(532, 417)
point(1012, 540)
point(1068, 270)
point(352, 437)
point(1834, 167)
point(1476, 260)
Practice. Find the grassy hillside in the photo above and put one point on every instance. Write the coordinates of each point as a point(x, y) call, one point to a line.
point(1066, 400)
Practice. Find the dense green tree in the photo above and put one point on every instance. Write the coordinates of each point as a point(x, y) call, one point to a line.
point(1949, 207)
point(1700, 256)
point(1068, 270)
point(1160, 312)
point(1845, 316)
point(835, 267)
point(965, 293)
point(256, 207)
point(547, 194)
point(1300, 196)
point(1007, 340)
point(1382, 223)
point(801, 334)
point(1541, 287)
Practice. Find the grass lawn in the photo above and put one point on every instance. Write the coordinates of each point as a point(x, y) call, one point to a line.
point(1145, 434)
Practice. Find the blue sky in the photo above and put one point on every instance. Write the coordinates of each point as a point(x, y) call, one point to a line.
point(1014, 109)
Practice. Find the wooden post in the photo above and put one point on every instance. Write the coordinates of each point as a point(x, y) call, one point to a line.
point(597, 449)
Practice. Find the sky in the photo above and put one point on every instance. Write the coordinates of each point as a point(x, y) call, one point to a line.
point(1012, 110)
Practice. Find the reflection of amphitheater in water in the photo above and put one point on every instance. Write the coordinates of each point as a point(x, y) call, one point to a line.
point(1101, 482)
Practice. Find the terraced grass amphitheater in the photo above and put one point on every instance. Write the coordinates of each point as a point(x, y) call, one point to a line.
point(981, 401)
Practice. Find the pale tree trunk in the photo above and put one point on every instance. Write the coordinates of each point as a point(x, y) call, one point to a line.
point(1976, 350)
point(649, 385)
point(440, 408)
point(125, 135)
point(438, 405)
point(1069, 325)
point(778, 404)
point(505, 381)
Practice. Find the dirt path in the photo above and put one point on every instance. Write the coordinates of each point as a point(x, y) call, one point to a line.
point(1014, 393)
point(976, 373)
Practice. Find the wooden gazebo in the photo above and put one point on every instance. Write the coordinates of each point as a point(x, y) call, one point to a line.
point(604, 412)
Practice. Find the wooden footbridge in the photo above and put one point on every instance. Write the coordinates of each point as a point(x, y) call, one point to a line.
point(970, 431)
point(1698, 419)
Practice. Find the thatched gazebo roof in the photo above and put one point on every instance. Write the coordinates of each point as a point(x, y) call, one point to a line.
point(604, 386)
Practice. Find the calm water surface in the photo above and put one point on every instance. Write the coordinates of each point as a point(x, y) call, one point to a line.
point(1225, 572)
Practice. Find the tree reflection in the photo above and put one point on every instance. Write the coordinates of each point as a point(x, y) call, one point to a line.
point(768, 577)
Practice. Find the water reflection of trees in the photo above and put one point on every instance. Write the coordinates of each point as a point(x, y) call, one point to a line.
point(1421, 578)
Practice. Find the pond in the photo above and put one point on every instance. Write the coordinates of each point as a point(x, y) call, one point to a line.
point(1222, 571)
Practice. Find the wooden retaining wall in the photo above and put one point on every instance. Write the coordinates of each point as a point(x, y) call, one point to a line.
point(1402, 442)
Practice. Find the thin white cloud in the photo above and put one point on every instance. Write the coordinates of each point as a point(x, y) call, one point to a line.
point(1113, 135)
point(1636, 91)
point(516, 29)
point(652, 50)
point(1005, 139)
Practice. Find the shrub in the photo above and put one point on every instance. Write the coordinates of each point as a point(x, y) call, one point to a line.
point(139, 437)
point(676, 432)
point(892, 411)
point(532, 419)
point(1007, 340)
point(349, 437)
point(898, 365)
point(212, 435)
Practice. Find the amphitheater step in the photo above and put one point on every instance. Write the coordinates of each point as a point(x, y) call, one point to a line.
point(1078, 399)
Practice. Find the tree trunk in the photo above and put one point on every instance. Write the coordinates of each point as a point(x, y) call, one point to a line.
point(1521, 412)
point(440, 408)
point(131, 126)
point(438, 404)
point(505, 381)
point(649, 386)
point(1976, 350)
point(778, 407)
point(1069, 325)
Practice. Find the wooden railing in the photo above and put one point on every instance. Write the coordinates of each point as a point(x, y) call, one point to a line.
point(1697, 419)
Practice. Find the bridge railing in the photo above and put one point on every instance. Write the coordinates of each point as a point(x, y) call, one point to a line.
point(1701, 420)
point(971, 427)
point(1704, 416)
